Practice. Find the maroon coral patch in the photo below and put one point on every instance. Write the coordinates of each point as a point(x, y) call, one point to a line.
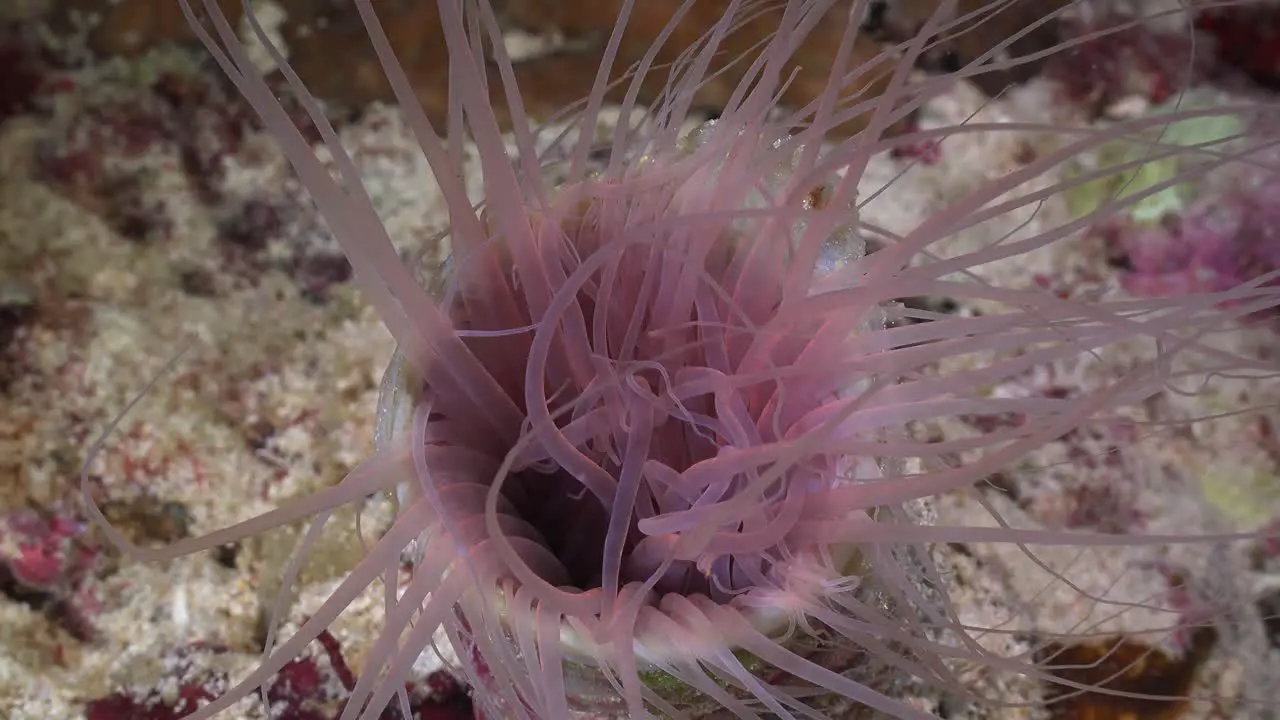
point(46, 563)
point(311, 687)
point(22, 76)
point(1247, 38)
point(1119, 60)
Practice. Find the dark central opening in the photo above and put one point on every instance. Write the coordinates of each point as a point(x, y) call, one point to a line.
point(574, 523)
point(572, 520)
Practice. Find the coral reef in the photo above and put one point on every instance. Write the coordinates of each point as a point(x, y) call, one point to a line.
point(142, 211)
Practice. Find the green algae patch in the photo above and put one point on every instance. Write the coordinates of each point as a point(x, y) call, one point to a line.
point(1209, 133)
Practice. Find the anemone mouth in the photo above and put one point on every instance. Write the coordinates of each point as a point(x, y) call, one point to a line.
point(547, 504)
point(573, 525)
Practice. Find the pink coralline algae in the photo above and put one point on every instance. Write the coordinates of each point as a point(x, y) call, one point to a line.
point(45, 562)
point(312, 687)
point(924, 151)
point(1217, 243)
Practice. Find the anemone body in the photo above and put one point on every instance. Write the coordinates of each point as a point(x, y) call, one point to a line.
point(649, 475)
point(649, 431)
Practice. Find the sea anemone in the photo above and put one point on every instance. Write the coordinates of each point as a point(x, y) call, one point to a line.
point(650, 426)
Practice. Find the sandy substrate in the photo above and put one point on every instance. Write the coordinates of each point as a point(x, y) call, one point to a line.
point(135, 226)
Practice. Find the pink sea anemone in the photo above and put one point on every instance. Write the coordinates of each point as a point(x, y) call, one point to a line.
point(649, 432)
